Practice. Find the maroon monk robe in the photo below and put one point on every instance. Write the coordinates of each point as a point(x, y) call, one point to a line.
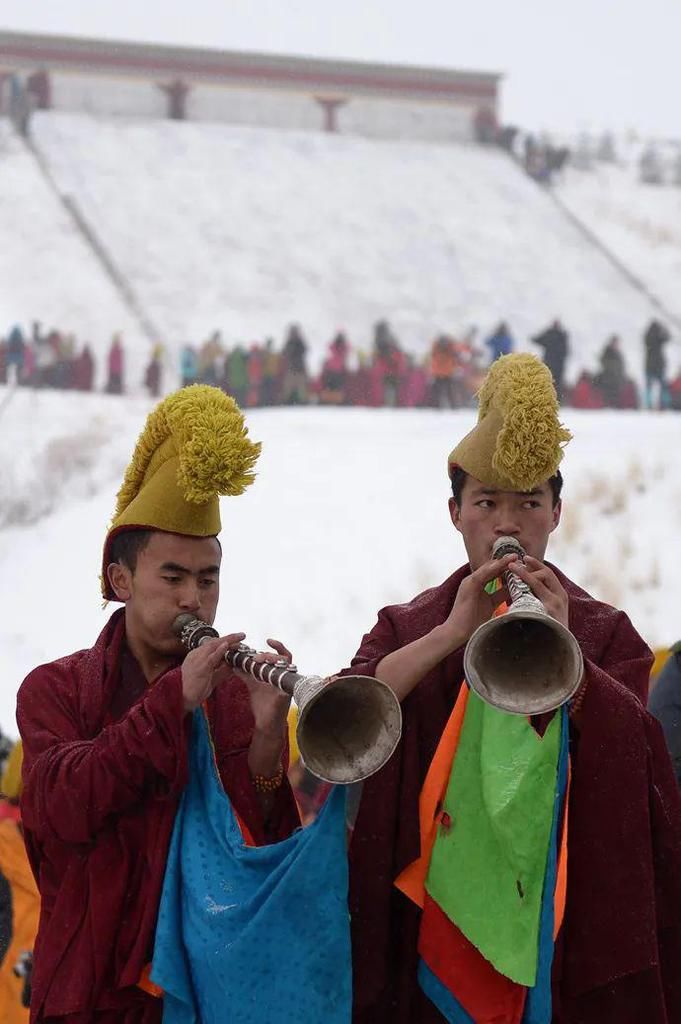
point(105, 762)
point(618, 955)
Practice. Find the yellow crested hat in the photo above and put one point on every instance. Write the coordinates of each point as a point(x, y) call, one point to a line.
point(193, 448)
point(518, 440)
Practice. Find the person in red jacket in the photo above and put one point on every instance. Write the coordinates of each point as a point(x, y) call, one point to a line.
point(615, 958)
point(106, 730)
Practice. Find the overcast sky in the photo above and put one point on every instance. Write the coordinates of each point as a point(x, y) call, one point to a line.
point(570, 65)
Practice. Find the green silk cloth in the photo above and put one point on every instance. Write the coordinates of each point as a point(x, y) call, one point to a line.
point(489, 858)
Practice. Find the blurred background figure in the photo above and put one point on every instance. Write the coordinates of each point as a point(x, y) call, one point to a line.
point(443, 365)
point(294, 363)
point(500, 342)
point(19, 899)
point(334, 375)
point(154, 372)
point(114, 383)
point(554, 342)
point(189, 367)
point(665, 704)
point(655, 339)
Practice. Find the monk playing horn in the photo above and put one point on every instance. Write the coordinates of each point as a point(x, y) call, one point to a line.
point(106, 731)
point(507, 870)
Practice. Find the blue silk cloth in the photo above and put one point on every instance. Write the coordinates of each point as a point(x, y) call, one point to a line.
point(251, 935)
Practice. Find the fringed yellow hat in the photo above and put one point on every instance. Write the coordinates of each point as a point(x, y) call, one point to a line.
point(194, 447)
point(518, 441)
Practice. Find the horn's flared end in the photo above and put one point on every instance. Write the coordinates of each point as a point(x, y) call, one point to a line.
point(524, 662)
point(348, 728)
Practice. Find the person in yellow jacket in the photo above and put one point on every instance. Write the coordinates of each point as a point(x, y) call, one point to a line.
point(22, 902)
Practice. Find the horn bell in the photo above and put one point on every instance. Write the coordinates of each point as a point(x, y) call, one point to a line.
point(348, 727)
point(524, 662)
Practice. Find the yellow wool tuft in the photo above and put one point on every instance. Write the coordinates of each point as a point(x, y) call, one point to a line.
point(205, 429)
point(529, 445)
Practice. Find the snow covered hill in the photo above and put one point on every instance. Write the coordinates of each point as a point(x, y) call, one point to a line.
point(47, 271)
point(250, 229)
point(640, 223)
point(349, 513)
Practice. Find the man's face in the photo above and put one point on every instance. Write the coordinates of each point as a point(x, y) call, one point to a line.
point(174, 575)
point(486, 514)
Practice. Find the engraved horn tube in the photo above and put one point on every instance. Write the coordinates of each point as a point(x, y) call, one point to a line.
point(348, 727)
point(523, 662)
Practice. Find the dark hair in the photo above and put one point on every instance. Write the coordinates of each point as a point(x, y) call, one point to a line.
point(459, 478)
point(127, 546)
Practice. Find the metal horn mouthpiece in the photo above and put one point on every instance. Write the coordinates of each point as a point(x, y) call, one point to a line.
point(348, 727)
point(524, 662)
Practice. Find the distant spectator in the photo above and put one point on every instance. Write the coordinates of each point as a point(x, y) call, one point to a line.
point(64, 349)
point(114, 383)
point(236, 374)
point(15, 354)
point(153, 372)
point(359, 390)
point(189, 367)
point(506, 137)
point(29, 365)
point(470, 372)
point(500, 343)
point(211, 359)
point(3, 361)
point(612, 377)
point(443, 364)
point(255, 371)
point(270, 374)
point(20, 105)
point(554, 342)
point(586, 394)
point(675, 392)
point(388, 365)
point(335, 372)
point(655, 339)
point(45, 360)
point(294, 357)
point(84, 370)
point(414, 386)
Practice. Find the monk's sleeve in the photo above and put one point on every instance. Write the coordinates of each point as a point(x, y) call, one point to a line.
point(74, 787)
point(375, 645)
point(627, 659)
point(233, 729)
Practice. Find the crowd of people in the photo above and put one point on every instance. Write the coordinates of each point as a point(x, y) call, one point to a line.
point(55, 359)
point(448, 376)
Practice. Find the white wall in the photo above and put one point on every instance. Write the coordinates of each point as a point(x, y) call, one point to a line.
point(367, 116)
point(269, 107)
point(94, 94)
point(401, 119)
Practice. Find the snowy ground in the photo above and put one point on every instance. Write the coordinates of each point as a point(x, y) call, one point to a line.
point(349, 513)
point(47, 271)
point(249, 229)
point(640, 223)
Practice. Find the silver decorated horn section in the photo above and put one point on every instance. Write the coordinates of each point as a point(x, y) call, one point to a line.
point(348, 727)
point(525, 661)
